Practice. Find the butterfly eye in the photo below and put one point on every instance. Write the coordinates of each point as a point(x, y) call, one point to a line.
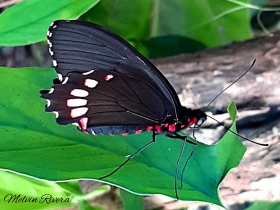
point(200, 121)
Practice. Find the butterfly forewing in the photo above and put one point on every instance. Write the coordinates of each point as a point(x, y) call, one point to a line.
point(78, 46)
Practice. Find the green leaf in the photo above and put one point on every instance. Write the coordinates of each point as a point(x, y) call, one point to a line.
point(165, 46)
point(213, 23)
point(121, 18)
point(27, 22)
point(131, 201)
point(232, 110)
point(198, 23)
point(129, 19)
point(32, 143)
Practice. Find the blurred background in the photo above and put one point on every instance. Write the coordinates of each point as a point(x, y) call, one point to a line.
point(195, 44)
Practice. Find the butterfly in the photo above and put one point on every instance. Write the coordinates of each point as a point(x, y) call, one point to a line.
point(105, 86)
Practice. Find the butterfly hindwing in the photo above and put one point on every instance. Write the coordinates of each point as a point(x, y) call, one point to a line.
point(106, 98)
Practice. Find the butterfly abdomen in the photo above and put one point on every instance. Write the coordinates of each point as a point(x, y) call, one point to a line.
point(116, 130)
point(126, 130)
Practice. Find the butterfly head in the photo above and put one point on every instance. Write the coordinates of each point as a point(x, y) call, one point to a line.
point(194, 118)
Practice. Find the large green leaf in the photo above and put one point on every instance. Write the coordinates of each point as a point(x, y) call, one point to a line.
point(165, 46)
point(131, 201)
point(176, 24)
point(32, 143)
point(27, 22)
point(129, 19)
point(212, 22)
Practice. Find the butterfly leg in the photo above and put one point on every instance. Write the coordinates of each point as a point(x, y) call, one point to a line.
point(132, 156)
point(185, 139)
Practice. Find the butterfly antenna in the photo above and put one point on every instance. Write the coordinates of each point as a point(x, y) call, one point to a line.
point(230, 85)
point(254, 61)
point(236, 133)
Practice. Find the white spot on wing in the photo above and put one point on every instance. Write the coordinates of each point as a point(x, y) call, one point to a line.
point(51, 90)
point(51, 52)
point(65, 80)
point(76, 124)
point(79, 93)
point(48, 102)
point(54, 63)
point(91, 83)
point(88, 72)
point(76, 102)
point(60, 77)
point(56, 114)
point(77, 112)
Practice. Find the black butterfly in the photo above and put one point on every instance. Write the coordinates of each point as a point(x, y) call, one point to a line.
point(105, 86)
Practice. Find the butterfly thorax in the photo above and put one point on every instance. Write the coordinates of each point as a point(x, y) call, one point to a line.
point(188, 118)
point(192, 117)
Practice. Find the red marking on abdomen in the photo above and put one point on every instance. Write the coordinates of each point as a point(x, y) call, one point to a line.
point(149, 128)
point(138, 131)
point(171, 128)
point(158, 128)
